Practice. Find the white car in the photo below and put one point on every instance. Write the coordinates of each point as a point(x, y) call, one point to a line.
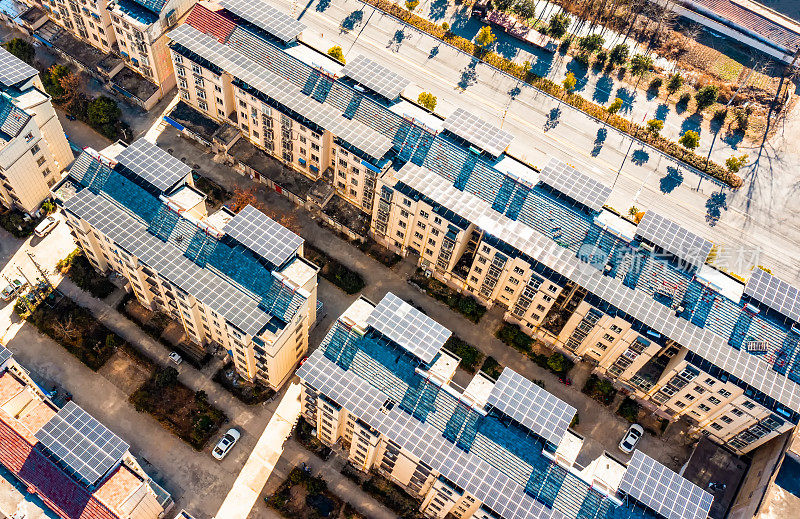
point(631, 438)
point(226, 443)
point(14, 288)
point(175, 357)
point(45, 226)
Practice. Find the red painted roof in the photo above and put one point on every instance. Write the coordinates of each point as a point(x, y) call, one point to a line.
point(750, 20)
point(213, 23)
point(58, 491)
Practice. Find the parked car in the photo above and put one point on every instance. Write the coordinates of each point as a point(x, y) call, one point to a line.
point(45, 226)
point(13, 288)
point(176, 358)
point(631, 438)
point(226, 443)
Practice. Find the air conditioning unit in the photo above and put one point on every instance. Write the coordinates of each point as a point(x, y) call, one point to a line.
point(647, 246)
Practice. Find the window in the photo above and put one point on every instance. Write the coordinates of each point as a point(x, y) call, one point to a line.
point(509, 290)
point(403, 212)
point(615, 328)
point(40, 161)
point(736, 412)
point(303, 139)
point(343, 163)
point(608, 338)
point(201, 94)
point(716, 426)
point(431, 241)
point(726, 419)
point(353, 192)
point(315, 147)
point(486, 250)
point(402, 224)
point(45, 172)
point(513, 280)
point(196, 69)
point(709, 381)
point(217, 89)
point(747, 404)
point(437, 220)
point(421, 225)
point(429, 252)
point(203, 105)
point(36, 149)
point(178, 59)
point(699, 390)
point(518, 271)
point(481, 260)
point(400, 235)
point(679, 404)
point(540, 308)
point(182, 82)
point(704, 408)
point(713, 400)
point(354, 181)
point(407, 202)
point(434, 232)
point(424, 214)
point(724, 393)
point(418, 235)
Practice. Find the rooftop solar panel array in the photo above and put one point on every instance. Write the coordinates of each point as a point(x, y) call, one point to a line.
point(673, 238)
point(775, 293)
point(266, 17)
point(13, 70)
point(154, 165)
point(532, 406)
point(375, 77)
point(576, 185)
point(5, 354)
point(355, 133)
point(263, 235)
point(475, 130)
point(85, 446)
point(666, 492)
point(408, 327)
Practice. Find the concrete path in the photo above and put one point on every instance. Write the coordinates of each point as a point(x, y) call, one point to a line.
point(253, 476)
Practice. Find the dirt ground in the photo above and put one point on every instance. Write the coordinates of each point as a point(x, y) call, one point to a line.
point(124, 372)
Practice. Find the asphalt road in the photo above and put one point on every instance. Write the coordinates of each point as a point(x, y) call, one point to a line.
point(759, 219)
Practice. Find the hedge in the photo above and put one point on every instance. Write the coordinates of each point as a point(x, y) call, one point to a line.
point(523, 73)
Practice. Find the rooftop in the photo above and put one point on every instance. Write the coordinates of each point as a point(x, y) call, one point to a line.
point(134, 83)
point(770, 25)
point(124, 200)
point(268, 167)
point(480, 448)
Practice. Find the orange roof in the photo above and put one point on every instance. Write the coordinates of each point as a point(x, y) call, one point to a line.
point(118, 487)
point(9, 386)
point(35, 418)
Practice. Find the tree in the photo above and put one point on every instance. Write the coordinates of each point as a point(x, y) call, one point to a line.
point(615, 106)
point(591, 43)
point(427, 100)
point(166, 377)
point(21, 49)
point(619, 54)
point(559, 23)
point(706, 96)
point(103, 114)
point(485, 37)
point(690, 140)
point(674, 84)
point(504, 5)
point(336, 53)
point(242, 198)
point(569, 83)
point(557, 363)
point(640, 64)
point(525, 9)
point(654, 126)
point(734, 163)
point(412, 4)
point(51, 79)
point(446, 27)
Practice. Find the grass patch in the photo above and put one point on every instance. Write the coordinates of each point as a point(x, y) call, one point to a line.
point(463, 304)
point(343, 277)
point(244, 391)
point(471, 357)
point(601, 390)
point(14, 222)
point(492, 368)
point(185, 413)
point(304, 496)
point(305, 436)
point(392, 496)
point(629, 409)
point(77, 331)
point(77, 267)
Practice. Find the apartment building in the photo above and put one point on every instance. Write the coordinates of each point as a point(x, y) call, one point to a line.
point(33, 147)
point(536, 239)
point(88, 20)
point(238, 281)
point(381, 386)
point(71, 462)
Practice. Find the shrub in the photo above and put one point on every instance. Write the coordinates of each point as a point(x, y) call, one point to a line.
point(412, 4)
point(512, 335)
point(615, 106)
point(690, 139)
point(336, 53)
point(569, 82)
point(445, 27)
point(559, 364)
point(103, 115)
point(601, 58)
point(654, 126)
point(629, 410)
point(427, 101)
point(558, 25)
point(684, 98)
point(734, 163)
point(471, 356)
point(485, 37)
point(165, 377)
point(491, 367)
point(601, 390)
point(21, 49)
point(655, 85)
point(706, 96)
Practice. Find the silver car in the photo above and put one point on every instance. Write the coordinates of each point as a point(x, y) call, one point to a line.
point(631, 438)
point(226, 443)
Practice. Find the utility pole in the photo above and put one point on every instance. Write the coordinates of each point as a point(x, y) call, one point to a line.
point(44, 276)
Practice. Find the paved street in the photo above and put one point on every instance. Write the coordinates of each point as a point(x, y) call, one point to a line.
point(762, 214)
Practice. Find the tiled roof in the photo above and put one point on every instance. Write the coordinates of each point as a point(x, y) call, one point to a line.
point(210, 22)
point(12, 118)
point(118, 487)
point(9, 386)
point(58, 491)
point(750, 20)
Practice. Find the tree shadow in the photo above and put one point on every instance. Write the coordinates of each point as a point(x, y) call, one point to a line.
point(673, 179)
point(681, 106)
point(733, 138)
point(438, 10)
point(552, 119)
point(506, 48)
point(627, 97)
point(715, 204)
point(322, 5)
point(716, 124)
point(468, 76)
point(602, 90)
point(514, 92)
point(640, 157)
point(602, 133)
point(542, 65)
point(580, 71)
point(662, 111)
point(396, 41)
point(352, 20)
point(693, 123)
point(434, 52)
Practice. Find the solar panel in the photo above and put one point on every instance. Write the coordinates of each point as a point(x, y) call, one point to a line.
point(673, 238)
point(774, 292)
point(375, 77)
point(569, 181)
point(263, 235)
point(532, 406)
point(5, 354)
point(408, 327)
point(475, 130)
point(266, 17)
point(154, 165)
point(13, 70)
point(86, 447)
point(666, 492)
